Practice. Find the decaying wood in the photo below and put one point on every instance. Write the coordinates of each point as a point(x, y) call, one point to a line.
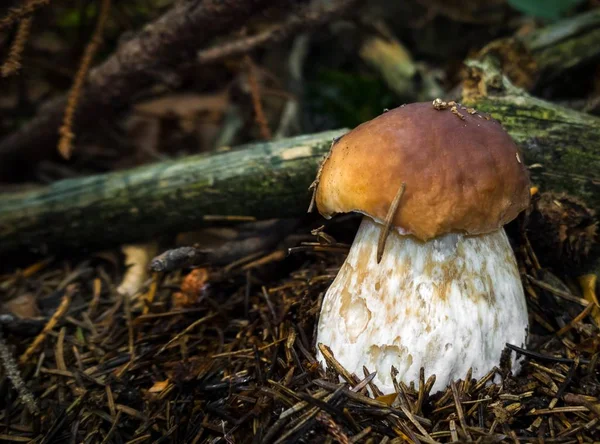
point(264, 180)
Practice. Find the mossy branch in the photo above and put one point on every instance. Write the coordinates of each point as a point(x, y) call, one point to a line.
point(264, 180)
point(272, 179)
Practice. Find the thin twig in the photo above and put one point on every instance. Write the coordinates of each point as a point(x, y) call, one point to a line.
point(577, 319)
point(334, 363)
point(16, 14)
point(558, 292)
point(387, 225)
point(459, 410)
point(310, 18)
point(543, 357)
point(185, 331)
point(56, 317)
point(12, 64)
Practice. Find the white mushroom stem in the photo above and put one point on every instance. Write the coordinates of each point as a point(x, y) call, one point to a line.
point(447, 305)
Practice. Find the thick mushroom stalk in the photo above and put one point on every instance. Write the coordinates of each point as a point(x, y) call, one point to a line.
point(448, 305)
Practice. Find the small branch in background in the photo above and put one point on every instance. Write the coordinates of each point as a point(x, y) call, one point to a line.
point(408, 79)
point(392, 60)
point(290, 120)
point(12, 64)
point(65, 144)
point(310, 18)
point(168, 42)
point(21, 12)
point(177, 258)
point(11, 368)
point(259, 113)
point(251, 239)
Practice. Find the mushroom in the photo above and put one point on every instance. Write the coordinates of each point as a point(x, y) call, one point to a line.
point(446, 294)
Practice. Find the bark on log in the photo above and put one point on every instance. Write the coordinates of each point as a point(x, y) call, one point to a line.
point(271, 179)
point(265, 180)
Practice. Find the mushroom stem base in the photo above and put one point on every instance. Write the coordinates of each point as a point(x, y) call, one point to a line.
point(446, 305)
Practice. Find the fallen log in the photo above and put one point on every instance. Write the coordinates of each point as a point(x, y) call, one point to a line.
point(264, 180)
point(268, 180)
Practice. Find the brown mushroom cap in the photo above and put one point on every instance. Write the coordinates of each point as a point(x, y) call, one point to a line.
point(463, 172)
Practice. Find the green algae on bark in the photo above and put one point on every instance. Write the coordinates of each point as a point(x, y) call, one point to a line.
point(262, 180)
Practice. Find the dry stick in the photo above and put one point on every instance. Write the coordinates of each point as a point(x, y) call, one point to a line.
point(334, 363)
point(368, 401)
point(65, 144)
point(387, 225)
point(542, 357)
point(565, 384)
point(572, 398)
point(422, 393)
point(558, 292)
point(580, 317)
point(112, 429)
point(186, 331)
point(307, 19)
point(412, 419)
point(56, 317)
point(12, 64)
point(19, 13)
point(459, 410)
point(359, 436)
point(59, 350)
